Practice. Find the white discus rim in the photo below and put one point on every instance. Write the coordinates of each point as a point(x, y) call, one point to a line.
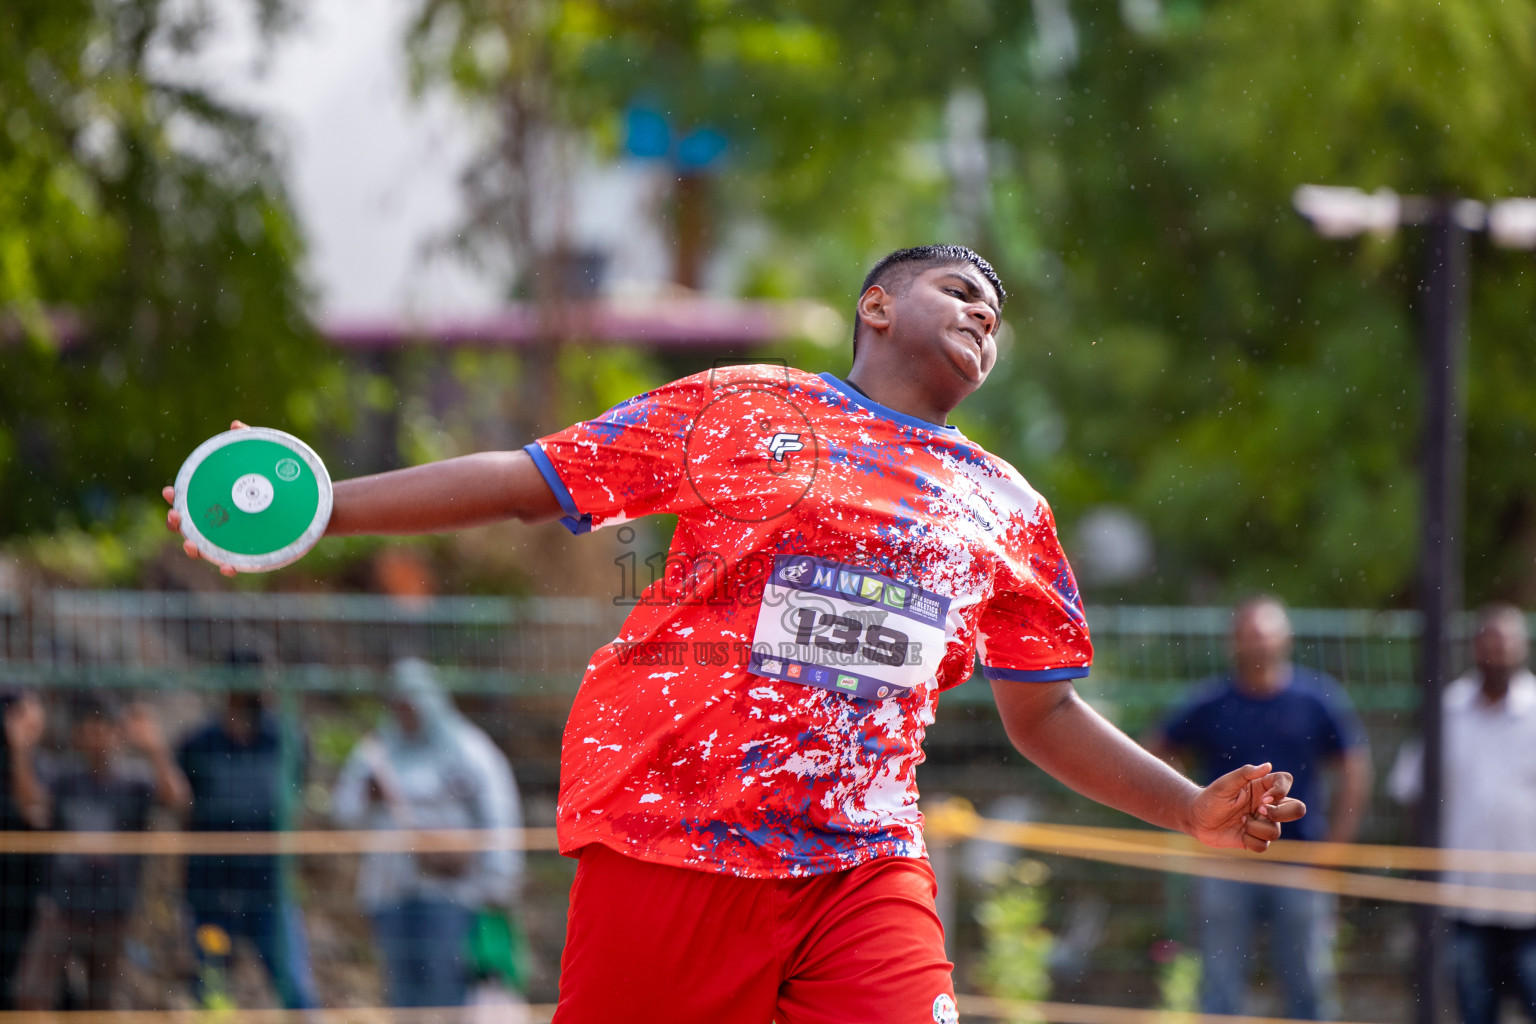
point(286, 555)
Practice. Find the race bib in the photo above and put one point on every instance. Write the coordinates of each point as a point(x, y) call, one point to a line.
point(846, 629)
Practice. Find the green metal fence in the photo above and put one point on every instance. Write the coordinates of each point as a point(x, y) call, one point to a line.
point(516, 663)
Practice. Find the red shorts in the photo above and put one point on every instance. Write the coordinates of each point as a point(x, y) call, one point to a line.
point(648, 942)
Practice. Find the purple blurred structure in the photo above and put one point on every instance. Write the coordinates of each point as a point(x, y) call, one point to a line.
point(665, 323)
point(678, 323)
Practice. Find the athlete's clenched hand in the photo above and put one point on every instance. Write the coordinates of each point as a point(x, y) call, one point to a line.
point(1245, 808)
point(173, 518)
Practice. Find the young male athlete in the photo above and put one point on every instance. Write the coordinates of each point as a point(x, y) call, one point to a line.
point(738, 774)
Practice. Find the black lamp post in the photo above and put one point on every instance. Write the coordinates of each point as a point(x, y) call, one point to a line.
point(1345, 212)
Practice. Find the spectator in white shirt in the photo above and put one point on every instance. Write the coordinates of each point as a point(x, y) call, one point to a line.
point(1489, 803)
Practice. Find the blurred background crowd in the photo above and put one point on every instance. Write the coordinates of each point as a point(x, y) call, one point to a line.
point(133, 710)
point(440, 921)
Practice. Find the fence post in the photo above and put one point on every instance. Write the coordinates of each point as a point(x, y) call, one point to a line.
point(941, 857)
point(1445, 284)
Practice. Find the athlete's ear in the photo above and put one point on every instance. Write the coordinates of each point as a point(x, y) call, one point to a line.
point(874, 307)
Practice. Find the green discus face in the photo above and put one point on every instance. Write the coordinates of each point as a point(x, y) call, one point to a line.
point(256, 499)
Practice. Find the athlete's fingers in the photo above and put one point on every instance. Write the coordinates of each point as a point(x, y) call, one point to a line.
point(1261, 828)
point(172, 517)
point(1254, 844)
point(1232, 784)
point(1276, 786)
point(1288, 809)
point(1279, 783)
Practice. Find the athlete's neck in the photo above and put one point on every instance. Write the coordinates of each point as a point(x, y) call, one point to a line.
point(902, 394)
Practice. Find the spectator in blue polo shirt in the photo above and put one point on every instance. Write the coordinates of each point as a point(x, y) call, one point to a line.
point(244, 769)
point(1268, 709)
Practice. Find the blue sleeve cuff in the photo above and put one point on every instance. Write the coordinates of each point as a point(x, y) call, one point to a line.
point(1047, 675)
point(573, 520)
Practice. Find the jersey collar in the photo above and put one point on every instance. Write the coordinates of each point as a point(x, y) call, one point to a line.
point(860, 399)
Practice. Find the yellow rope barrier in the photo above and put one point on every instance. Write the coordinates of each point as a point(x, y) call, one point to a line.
point(405, 840)
point(1291, 864)
point(956, 819)
point(533, 1014)
point(1356, 855)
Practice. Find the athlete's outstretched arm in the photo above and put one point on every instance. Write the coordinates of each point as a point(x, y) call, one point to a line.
point(1052, 726)
point(453, 494)
point(471, 490)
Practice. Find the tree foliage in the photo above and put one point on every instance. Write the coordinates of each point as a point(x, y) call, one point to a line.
point(1183, 345)
point(148, 283)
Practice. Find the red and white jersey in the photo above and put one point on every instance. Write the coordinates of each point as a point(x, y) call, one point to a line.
point(836, 564)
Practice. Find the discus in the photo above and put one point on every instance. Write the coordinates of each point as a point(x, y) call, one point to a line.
point(255, 499)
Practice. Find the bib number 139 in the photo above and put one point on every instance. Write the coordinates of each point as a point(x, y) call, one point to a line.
point(843, 634)
point(847, 629)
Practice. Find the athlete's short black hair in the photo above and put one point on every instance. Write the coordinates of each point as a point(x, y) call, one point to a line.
point(908, 262)
point(895, 270)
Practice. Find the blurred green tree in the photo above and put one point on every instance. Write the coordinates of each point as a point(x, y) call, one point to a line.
point(148, 281)
point(1250, 388)
point(1183, 346)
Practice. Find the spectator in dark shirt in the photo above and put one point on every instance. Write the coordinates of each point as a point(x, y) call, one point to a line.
point(23, 806)
point(245, 770)
point(1268, 709)
point(88, 898)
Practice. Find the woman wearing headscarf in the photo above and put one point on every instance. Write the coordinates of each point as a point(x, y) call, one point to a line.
point(426, 766)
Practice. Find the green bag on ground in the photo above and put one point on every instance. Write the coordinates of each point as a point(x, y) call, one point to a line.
point(498, 948)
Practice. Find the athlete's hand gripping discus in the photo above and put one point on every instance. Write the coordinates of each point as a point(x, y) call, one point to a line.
point(254, 499)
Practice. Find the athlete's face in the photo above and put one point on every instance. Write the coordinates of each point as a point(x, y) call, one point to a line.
point(939, 327)
point(946, 319)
